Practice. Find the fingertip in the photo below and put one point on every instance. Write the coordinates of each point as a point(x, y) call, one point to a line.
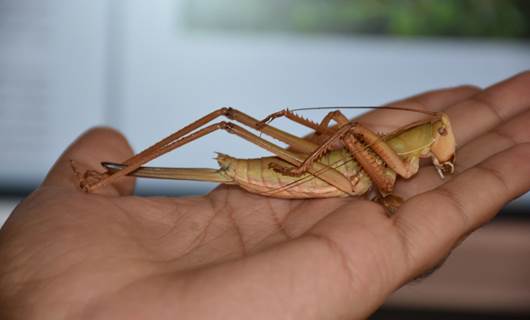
point(87, 152)
point(99, 144)
point(440, 99)
point(105, 135)
point(510, 91)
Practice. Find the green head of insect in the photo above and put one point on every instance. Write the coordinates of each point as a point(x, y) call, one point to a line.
point(444, 146)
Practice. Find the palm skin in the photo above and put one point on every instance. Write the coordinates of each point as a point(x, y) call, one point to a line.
point(232, 254)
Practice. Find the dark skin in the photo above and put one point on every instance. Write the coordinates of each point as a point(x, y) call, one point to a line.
point(66, 254)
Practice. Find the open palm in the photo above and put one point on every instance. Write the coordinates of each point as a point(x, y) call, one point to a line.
point(232, 254)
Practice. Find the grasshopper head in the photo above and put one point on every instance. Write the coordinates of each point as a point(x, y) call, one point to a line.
point(444, 146)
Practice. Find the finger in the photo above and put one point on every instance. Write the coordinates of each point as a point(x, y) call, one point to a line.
point(431, 224)
point(490, 107)
point(472, 111)
point(388, 120)
point(86, 153)
point(499, 139)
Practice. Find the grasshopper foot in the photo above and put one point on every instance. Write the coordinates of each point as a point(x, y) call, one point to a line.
point(88, 178)
point(390, 202)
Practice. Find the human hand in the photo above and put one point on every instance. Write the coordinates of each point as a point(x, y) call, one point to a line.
point(230, 254)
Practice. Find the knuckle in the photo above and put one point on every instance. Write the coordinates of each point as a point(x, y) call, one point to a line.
point(107, 134)
point(103, 130)
point(469, 87)
point(494, 174)
point(485, 102)
point(502, 134)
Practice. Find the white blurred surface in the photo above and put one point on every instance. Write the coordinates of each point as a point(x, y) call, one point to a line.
point(52, 64)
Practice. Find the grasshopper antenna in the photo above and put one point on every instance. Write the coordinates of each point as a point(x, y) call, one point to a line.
point(432, 113)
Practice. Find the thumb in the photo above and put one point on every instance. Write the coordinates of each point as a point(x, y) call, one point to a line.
point(86, 153)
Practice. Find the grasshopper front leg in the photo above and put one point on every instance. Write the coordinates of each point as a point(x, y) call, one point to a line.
point(376, 170)
point(425, 138)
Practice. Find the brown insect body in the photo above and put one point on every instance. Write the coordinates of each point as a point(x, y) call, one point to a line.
point(307, 170)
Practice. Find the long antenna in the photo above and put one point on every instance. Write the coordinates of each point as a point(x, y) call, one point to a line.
point(432, 113)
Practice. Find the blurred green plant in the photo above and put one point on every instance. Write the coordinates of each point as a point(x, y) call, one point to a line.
point(451, 18)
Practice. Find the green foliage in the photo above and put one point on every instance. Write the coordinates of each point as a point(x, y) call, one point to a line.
point(452, 18)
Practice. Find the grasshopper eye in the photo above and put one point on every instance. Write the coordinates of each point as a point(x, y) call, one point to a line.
point(442, 131)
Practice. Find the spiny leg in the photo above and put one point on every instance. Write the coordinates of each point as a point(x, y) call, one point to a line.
point(322, 130)
point(315, 155)
point(403, 167)
point(295, 143)
point(339, 118)
point(375, 168)
point(150, 153)
point(382, 178)
point(176, 135)
point(321, 171)
point(92, 181)
point(291, 116)
point(345, 125)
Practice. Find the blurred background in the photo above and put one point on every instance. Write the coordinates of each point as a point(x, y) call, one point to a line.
point(148, 68)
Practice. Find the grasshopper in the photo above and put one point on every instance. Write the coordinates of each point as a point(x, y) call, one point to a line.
point(351, 161)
